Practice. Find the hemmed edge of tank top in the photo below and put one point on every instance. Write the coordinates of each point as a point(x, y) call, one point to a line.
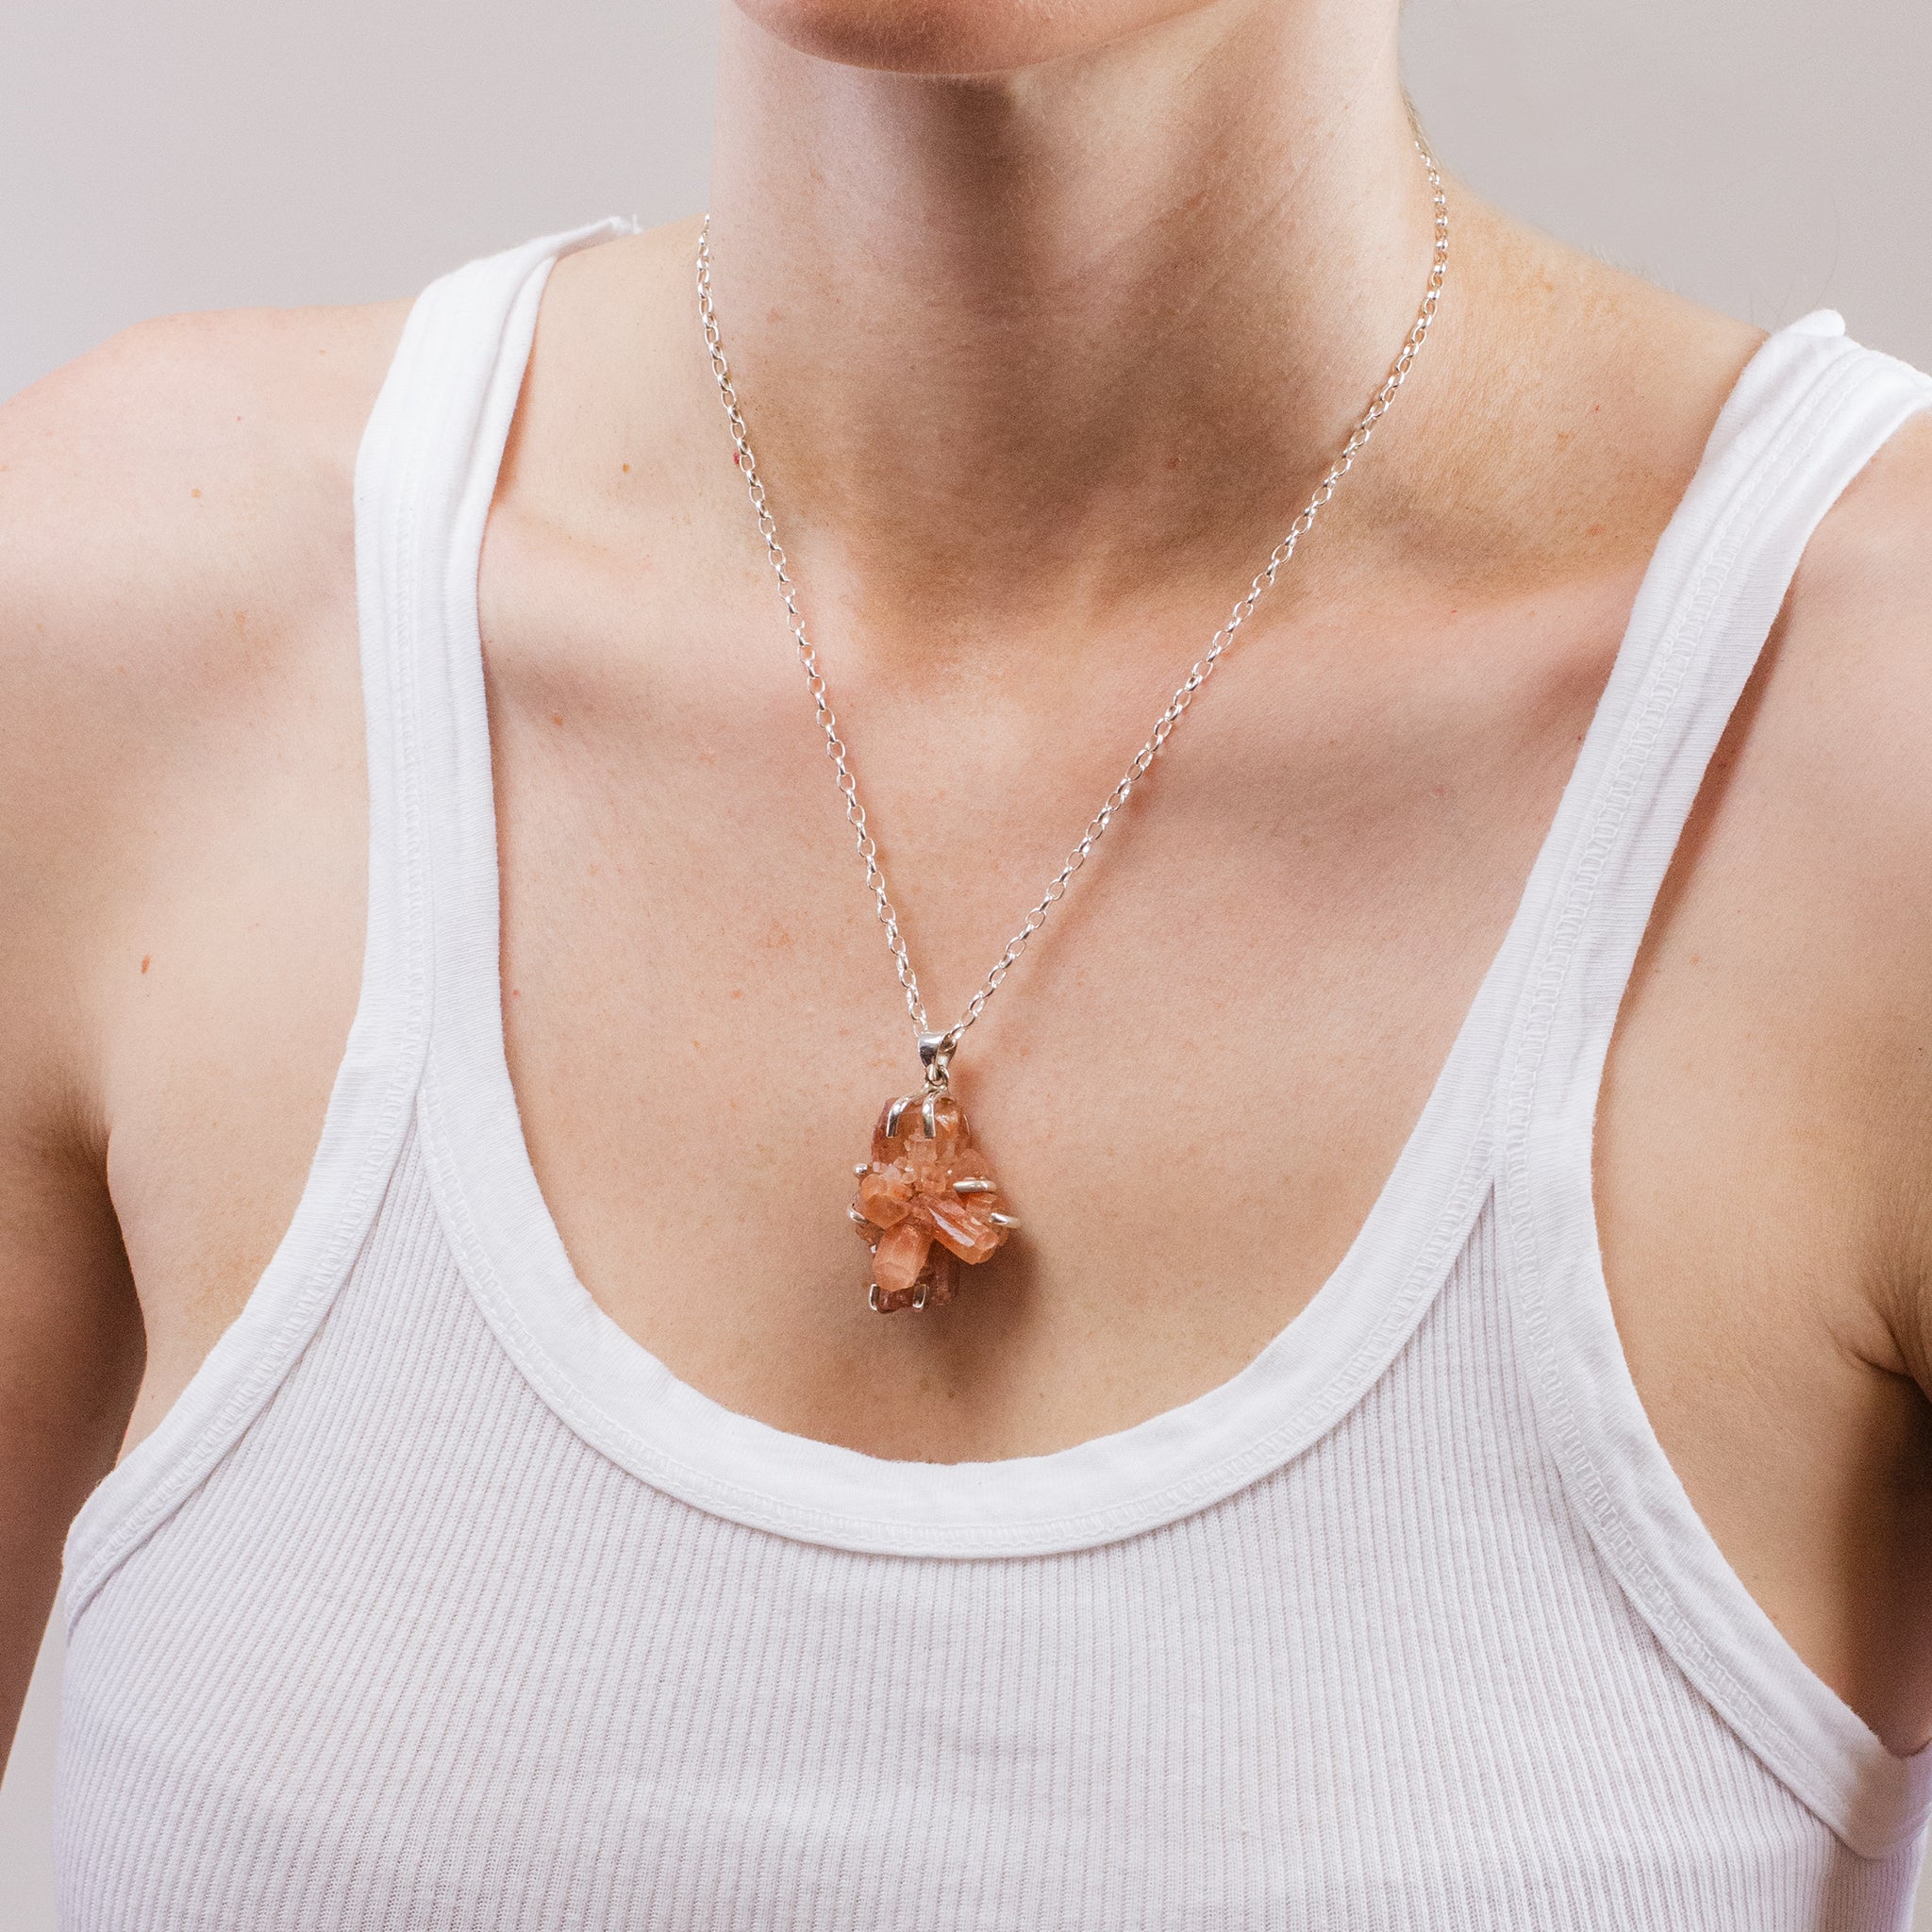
point(1102, 1491)
point(1620, 1481)
point(625, 1402)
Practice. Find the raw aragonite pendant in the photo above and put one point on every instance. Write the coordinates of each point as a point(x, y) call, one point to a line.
point(927, 1200)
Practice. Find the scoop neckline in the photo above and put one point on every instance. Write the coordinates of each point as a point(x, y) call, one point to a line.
point(616, 1394)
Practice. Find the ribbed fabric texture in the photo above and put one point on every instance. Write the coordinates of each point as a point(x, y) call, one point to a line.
point(438, 1603)
point(492, 1680)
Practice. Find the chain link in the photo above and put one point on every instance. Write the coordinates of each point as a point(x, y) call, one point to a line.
point(1164, 724)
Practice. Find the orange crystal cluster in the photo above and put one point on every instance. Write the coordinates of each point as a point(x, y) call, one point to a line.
point(925, 1199)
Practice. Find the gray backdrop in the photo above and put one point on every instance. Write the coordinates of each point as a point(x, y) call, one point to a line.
point(1764, 155)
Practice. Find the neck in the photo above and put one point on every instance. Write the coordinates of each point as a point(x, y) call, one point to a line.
point(1042, 339)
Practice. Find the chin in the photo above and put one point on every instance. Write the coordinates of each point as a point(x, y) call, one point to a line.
point(956, 37)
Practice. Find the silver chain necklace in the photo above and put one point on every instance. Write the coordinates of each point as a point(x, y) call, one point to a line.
point(927, 1198)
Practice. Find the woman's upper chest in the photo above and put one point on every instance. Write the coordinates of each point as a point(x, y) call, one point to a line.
point(1191, 1087)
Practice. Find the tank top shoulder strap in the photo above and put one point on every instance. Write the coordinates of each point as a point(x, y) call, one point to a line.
point(1809, 410)
point(1807, 413)
point(423, 484)
point(429, 476)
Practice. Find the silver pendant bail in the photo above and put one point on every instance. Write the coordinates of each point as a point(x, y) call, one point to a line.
point(935, 1057)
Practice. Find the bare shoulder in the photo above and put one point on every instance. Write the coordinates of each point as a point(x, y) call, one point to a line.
point(176, 551)
point(181, 459)
point(189, 479)
point(1827, 756)
point(1584, 401)
point(1854, 650)
point(1872, 549)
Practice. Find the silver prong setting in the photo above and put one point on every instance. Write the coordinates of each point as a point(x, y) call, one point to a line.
point(975, 1187)
point(895, 1113)
point(1005, 1221)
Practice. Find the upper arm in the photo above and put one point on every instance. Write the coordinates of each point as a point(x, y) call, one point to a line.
point(1859, 620)
point(71, 1335)
point(70, 1341)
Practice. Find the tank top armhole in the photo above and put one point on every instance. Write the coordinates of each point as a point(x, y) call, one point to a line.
point(1804, 421)
point(428, 410)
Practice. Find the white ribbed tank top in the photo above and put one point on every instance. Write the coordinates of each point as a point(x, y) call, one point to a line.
point(438, 1601)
